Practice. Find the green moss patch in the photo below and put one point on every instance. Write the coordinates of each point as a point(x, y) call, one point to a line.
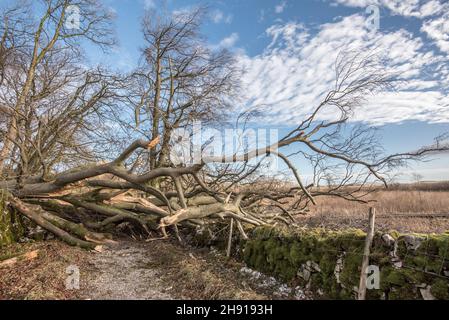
point(286, 255)
point(11, 226)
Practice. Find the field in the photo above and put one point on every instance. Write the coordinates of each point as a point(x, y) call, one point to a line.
point(405, 208)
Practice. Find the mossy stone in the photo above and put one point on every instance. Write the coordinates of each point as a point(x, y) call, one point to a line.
point(440, 289)
point(281, 252)
point(11, 224)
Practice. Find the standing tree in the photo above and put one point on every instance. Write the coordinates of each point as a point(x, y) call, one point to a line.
point(181, 80)
point(40, 61)
point(50, 103)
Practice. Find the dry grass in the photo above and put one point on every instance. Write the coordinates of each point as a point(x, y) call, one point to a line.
point(421, 186)
point(43, 277)
point(391, 207)
point(197, 274)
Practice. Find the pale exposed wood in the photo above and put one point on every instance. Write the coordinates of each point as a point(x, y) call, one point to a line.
point(23, 257)
point(231, 230)
point(141, 204)
point(366, 253)
point(242, 230)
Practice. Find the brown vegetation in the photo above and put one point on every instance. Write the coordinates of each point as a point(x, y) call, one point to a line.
point(400, 209)
point(42, 277)
point(421, 186)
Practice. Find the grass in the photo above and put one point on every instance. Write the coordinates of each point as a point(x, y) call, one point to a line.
point(421, 186)
point(194, 274)
point(392, 206)
point(43, 277)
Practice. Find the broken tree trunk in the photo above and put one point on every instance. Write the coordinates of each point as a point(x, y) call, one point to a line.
point(78, 205)
point(36, 214)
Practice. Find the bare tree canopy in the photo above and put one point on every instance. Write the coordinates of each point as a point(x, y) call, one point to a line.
point(46, 93)
point(181, 79)
point(58, 123)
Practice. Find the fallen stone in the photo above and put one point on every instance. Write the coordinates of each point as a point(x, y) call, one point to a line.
point(388, 240)
point(397, 263)
point(338, 268)
point(412, 242)
point(306, 274)
point(426, 294)
point(313, 266)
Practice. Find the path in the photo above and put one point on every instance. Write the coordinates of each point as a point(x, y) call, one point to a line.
point(121, 273)
point(134, 270)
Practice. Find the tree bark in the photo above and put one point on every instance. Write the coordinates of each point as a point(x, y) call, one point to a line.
point(36, 214)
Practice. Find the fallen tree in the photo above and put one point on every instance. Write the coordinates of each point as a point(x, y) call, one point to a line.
point(72, 203)
point(56, 161)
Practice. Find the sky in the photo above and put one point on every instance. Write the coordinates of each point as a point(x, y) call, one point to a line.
point(288, 50)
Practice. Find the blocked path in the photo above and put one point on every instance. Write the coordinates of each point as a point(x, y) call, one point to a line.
point(134, 270)
point(165, 270)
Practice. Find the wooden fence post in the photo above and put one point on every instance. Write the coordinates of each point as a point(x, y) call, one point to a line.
point(366, 252)
point(231, 229)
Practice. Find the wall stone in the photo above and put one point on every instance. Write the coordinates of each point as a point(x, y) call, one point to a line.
point(412, 266)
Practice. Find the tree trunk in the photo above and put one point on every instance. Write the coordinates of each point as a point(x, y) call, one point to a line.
point(11, 227)
point(7, 144)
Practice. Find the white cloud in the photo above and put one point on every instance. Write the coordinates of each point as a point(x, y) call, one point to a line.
point(182, 11)
point(433, 13)
point(149, 4)
point(438, 30)
point(280, 7)
point(297, 70)
point(432, 8)
point(408, 8)
point(217, 16)
point(394, 107)
point(227, 42)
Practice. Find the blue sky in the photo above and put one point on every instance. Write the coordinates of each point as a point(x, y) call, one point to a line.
point(284, 44)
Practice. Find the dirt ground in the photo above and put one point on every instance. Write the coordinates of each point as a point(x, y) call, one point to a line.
point(133, 270)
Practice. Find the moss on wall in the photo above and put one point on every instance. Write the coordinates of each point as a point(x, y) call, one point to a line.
point(414, 262)
point(11, 226)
